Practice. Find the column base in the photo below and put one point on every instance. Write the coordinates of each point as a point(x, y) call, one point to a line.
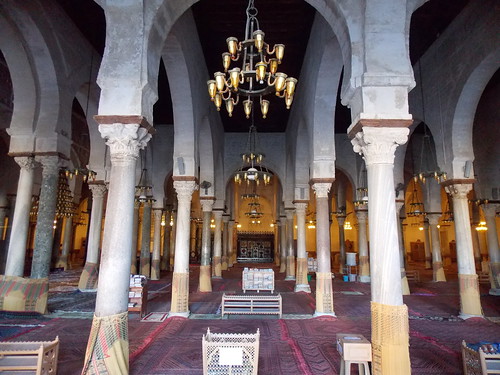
point(428, 264)
point(301, 275)
point(318, 313)
point(20, 294)
point(390, 339)
point(283, 267)
point(62, 262)
point(438, 272)
point(302, 288)
point(180, 293)
point(108, 347)
point(133, 269)
point(217, 264)
point(89, 277)
point(470, 303)
point(290, 278)
point(290, 268)
point(145, 267)
point(179, 314)
point(155, 269)
point(223, 265)
point(364, 279)
point(205, 280)
point(494, 292)
point(324, 293)
point(405, 287)
point(469, 316)
point(217, 277)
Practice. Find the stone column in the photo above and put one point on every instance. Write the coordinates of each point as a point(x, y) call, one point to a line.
point(324, 285)
point(427, 246)
point(173, 234)
point(155, 263)
point(301, 284)
point(390, 327)
point(493, 249)
point(364, 263)
point(20, 221)
point(90, 273)
point(290, 253)
point(205, 271)
point(437, 261)
point(62, 260)
point(341, 221)
point(217, 258)
point(225, 236)
point(230, 248)
point(145, 259)
point(167, 232)
point(180, 278)
point(282, 225)
point(124, 141)
point(42, 252)
point(405, 286)
point(470, 303)
point(135, 234)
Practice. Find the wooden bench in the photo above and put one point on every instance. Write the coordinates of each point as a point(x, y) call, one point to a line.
point(251, 304)
point(413, 275)
point(37, 357)
point(479, 362)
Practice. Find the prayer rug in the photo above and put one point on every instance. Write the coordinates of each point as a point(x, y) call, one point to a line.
point(155, 317)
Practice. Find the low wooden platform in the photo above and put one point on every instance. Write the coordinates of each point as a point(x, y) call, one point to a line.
point(251, 304)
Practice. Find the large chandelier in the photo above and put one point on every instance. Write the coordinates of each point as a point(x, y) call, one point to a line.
point(257, 75)
point(252, 168)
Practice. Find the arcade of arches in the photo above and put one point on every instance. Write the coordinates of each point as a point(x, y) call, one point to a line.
point(95, 176)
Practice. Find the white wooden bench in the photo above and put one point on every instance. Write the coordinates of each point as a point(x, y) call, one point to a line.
point(36, 357)
point(251, 304)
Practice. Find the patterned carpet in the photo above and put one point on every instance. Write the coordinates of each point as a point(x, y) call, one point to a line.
point(287, 346)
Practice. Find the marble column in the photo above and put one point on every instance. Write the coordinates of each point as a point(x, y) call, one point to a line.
point(405, 286)
point(282, 225)
point(364, 263)
point(155, 263)
point(62, 260)
point(230, 247)
point(341, 221)
point(301, 283)
point(90, 273)
point(493, 249)
point(390, 326)
point(135, 235)
point(205, 283)
point(470, 303)
point(217, 258)
point(124, 141)
point(145, 258)
point(225, 236)
point(437, 261)
point(427, 246)
point(180, 278)
point(290, 251)
point(42, 252)
point(167, 232)
point(324, 285)
point(20, 222)
point(173, 234)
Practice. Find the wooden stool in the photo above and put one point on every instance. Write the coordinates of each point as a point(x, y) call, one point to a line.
point(354, 349)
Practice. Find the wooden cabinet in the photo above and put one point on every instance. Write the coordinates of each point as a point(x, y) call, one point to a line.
point(138, 295)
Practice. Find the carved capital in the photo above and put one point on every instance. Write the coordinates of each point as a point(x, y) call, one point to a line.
point(157, 213)
point(124, 140)
point(98, 190)
point(300, 208)
point(362, 216)
point(490, 210)
point(433, 218)
point(289, 214)
point(25, 162)
point(218, 215)
point(207, 204)
point(458, 191)
point(378, 145)
point(185, 190)
point(321, 189)
point(50, 164)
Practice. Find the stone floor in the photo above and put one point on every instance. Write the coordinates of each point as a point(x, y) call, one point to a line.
point(296, 344)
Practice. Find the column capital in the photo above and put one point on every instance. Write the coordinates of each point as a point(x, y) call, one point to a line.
point(321, 189)
point(433, 218)
point(207, 204)
point(225, 218)
point(378, 145)
point(289, 214)
point(218, 214)
point(185, 190)
point(490, 209)
point(300, 208)
point(458, 191)
point(157, 213)
point(341, 220)
point(98, 190)
point(50, 164)
point(362, 216)
point(25, 162)
point(124, 140)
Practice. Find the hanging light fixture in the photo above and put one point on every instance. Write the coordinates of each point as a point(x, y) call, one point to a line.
point(428, 167)
point(257, 75)
point(415, 207)
point(143, 191)
point(362, 191)
point(252, 169)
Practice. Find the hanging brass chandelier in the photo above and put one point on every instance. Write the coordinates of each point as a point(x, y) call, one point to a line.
point(257, 75)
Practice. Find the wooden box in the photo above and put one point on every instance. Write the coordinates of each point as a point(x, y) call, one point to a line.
point(354, 347)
